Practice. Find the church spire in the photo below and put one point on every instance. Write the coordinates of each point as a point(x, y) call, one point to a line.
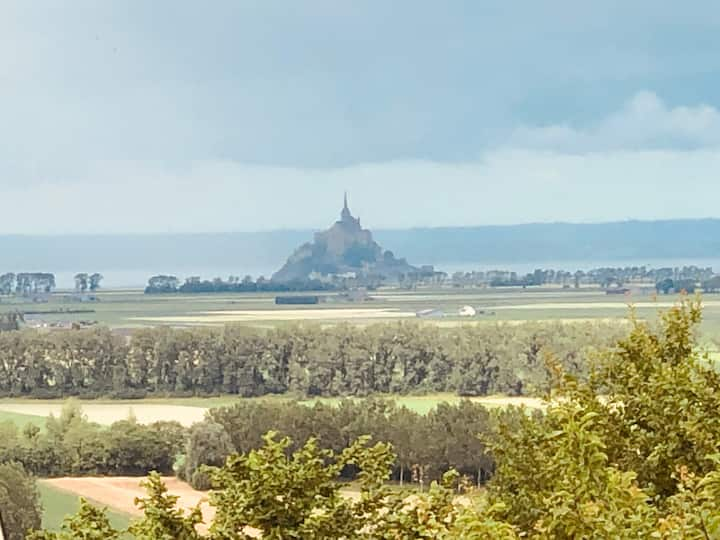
point(346, 215)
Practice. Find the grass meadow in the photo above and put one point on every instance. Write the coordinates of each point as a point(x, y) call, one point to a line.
point(22, 419)
point(57, 504)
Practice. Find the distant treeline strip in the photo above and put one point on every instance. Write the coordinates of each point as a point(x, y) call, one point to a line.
point(164, 284)
point(303, 360)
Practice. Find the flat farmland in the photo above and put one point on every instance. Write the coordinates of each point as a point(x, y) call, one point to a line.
point(119, 492)
point(132, 309)
point(187, 411)
point(105, 413)
point(22, 419)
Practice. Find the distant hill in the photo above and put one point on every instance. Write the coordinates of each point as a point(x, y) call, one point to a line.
point(673, 239)
point(247, 252)
point(344, 248)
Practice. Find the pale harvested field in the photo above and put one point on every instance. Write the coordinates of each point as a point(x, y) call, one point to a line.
point(119, 493)
point(453, 323)
point(505, 401)
point(147, 413)
point(479, 295)
point(106, 414)
point(280, 315)
point(596, 305)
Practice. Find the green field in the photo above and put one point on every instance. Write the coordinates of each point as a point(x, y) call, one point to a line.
point(58, 504)
point(20, 420)
point(105, 412)
point(132, 309)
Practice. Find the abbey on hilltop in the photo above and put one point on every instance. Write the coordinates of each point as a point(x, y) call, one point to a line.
point(345, 249)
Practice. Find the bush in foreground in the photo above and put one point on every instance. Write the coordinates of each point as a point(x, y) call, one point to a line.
point(20, 508)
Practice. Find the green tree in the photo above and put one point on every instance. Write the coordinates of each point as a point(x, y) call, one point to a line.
point(628, 454)
point(89, 523)
point(20, 509)
point(81, 282)
point(94, 281)
point(208, 444)
point(162, 520)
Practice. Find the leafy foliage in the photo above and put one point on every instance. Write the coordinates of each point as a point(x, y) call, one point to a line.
point(630, 453)
point(73, 446)
point(20, 509)
point(162, 519)
point(305, 360)
point(444, 438)
point(280, 495)
point(89, 523)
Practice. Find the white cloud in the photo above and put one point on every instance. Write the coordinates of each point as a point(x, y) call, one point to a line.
point(644, 122)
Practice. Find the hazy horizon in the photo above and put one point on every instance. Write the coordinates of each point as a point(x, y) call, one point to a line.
point(311, 230)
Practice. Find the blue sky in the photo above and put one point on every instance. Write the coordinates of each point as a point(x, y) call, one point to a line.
point(139, 116)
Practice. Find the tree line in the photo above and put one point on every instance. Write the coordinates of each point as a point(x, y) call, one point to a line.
point(168, 284)
point(26, 283)
point(33, 283)
point(631, 452)
point(678, 278)
point(303, 360)
point(87, 282)
point(425, 446)
point(70, 445)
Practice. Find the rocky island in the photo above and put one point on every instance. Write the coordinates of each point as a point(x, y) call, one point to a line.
point(343, 250)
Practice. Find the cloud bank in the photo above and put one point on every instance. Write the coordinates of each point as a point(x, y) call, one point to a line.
point(625, 167)
point(644, 122)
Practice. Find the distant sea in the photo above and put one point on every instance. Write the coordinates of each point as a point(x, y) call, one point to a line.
point(134, 279)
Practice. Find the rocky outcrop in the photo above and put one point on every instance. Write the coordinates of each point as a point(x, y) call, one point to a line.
point(343, 249)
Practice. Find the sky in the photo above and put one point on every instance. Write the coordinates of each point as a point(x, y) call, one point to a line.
point(229, 115)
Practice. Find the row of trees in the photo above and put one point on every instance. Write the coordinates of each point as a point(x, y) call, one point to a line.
point(167, 284)
point(425, 445)
point(26, 283)
point(29, 283)
point(603, 276)
point(631, 453)
point(72, 446)
point(305, 360)
point(668, 285)
point(87, 282)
